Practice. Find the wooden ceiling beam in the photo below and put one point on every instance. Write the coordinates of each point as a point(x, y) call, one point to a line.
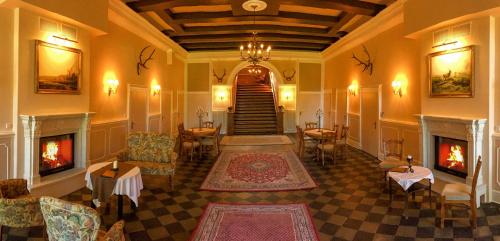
point(260, 28)
point(350, 6)
point(235, 46)
point(168, 20)
point(344, 18)
point(224, 17)
point(152, 5)
point(243, 38)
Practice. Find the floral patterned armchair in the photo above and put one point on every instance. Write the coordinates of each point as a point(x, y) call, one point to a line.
point(68, 221)
point(153, 153)
point(17, 208)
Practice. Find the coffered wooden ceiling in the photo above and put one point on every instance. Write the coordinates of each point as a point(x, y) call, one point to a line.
point(311, 25)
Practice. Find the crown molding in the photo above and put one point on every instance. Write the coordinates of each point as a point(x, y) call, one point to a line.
point(120, 14)
point(385, 20)
point(207, 56)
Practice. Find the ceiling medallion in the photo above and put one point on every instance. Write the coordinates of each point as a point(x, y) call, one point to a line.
point(255, 51)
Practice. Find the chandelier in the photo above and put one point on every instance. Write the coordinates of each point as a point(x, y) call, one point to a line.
point(255, 70)
point(255, 51)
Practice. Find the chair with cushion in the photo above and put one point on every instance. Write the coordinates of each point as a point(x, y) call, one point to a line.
point(342, 138)
point(212, 141)
point(461, 194)
point(208, 124)
point(17, 208)
point(68, 221)
point(311, 125)
point(327, 146)
point(393, 155)
point(189, 143)
point(153, 153)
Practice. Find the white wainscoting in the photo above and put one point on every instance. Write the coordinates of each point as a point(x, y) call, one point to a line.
point(6, 155)
point(408, 131)
point(220, 117)
point(197, 99)
point(307, 104)
point(354, 134)
point(495, 197)
point(154, 123)
point(289, 121)
point(107, 139)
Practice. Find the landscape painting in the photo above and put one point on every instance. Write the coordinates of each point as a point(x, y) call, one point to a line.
point(58, 69)
point(452, 73)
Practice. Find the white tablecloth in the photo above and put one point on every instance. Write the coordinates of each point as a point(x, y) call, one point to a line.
point(129, 184)
point(407, 179)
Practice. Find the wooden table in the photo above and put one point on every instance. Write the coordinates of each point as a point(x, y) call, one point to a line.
point(202, 131)
point(317, 134)
point(407, 181)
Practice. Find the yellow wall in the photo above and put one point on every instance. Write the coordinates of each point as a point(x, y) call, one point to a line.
point(310, 77)
point(198, 77)
point(400, 57)
point(6, 81)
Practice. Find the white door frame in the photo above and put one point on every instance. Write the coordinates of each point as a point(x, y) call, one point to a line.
point(145, 89)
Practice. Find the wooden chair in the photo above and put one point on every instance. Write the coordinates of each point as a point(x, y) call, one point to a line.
point(311, 125)
point(335, 128)
point(303, 142)
point(342, 139)
point(188, 142)
point(327, 145)
point(208, 124)
point(393, 155)
point(461, 194)
point(212, 141)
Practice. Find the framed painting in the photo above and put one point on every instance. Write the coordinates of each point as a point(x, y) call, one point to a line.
point(451, 73)
point(58, 69)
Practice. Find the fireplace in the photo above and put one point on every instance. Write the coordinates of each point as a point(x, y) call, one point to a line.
point(56, 154)
point(451, 156)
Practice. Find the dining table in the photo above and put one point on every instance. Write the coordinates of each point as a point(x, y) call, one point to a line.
point(201, 132)
point(317, 133)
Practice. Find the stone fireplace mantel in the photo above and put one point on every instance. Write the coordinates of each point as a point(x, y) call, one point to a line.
point(37, 126)
point(467, 129)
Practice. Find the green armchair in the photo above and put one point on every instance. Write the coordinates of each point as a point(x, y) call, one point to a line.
point(17, 208)
point(68, 221)
point(152, 153)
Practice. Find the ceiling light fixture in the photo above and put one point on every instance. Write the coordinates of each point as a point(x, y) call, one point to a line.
point(255, 51)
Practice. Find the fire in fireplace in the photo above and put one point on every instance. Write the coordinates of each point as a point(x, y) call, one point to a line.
point(56, 154)
point(451, 156)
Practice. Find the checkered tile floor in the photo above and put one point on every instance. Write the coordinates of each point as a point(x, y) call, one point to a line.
point(349, 204)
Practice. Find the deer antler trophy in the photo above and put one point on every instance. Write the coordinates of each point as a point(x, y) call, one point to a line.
point(142, 63)
point(368, 64)
point(219, 79)
point(290, 77)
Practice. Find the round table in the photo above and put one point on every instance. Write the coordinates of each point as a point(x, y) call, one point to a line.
point(202, 131)
point(130, 184)
point(317, 134)
point(407, 179)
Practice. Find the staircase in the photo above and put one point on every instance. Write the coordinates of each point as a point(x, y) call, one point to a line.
point(255, 112)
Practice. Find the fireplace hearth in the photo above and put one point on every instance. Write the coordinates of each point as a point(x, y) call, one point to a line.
point(56, 154)
point(451, 156)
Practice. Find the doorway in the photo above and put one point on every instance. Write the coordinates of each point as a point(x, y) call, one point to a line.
point(370, 106)
point(137, 108)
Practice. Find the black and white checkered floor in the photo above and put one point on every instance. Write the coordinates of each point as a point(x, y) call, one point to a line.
point(349, 204)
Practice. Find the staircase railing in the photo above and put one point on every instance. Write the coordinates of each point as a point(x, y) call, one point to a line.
point(235, 90)
point(277, 110)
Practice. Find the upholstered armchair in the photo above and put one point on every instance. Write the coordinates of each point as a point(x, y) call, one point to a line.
point(68, 221)
point(153, 153)
point(17, 208)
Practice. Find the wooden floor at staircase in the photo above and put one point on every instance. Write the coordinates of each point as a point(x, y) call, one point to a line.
point(255, 111)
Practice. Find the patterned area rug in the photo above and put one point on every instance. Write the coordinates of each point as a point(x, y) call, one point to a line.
point(239, 171)
point(251, 222)
point(255, 140)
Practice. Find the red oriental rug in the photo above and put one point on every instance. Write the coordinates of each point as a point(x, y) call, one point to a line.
point(255, 222)
point(239, 171)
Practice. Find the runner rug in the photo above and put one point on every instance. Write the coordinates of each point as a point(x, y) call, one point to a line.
point(241, 171)
point(249, 222)
point(255, 140)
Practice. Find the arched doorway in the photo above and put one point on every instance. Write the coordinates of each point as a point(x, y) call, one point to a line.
point(255, 102)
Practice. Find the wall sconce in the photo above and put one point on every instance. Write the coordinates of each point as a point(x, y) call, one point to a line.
point(353, 88)
point(155, 89)
point(221, 97)
point(397, 87)
point(112, 85)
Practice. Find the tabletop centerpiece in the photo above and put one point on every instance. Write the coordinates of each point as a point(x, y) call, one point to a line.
point(319, 114)
point(409, 159)
point(201, 112)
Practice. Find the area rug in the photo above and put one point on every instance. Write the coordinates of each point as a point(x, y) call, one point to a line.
point(255, 140)
point(251, 222)
point(243, 171)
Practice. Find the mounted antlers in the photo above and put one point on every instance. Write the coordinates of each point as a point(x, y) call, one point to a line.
point(219, 79)
point(368, 64)
point(142, 63)
point(289, 78)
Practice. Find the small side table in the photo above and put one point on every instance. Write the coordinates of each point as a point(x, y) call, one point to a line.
point(407, 180)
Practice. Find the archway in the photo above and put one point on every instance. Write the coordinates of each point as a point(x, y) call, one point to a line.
point(268, 65)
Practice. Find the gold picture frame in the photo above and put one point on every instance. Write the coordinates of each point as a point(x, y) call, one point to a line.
point(451, 73)
point(58, 69)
